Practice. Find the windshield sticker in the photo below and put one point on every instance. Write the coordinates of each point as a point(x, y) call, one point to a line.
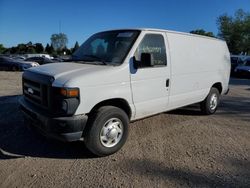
point(149, 49)
point(125, 34)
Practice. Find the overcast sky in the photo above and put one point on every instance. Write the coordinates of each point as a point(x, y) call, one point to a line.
point(22, 21)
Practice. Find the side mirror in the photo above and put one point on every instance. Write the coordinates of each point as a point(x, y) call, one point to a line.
point(135, 63)
point(147, 60)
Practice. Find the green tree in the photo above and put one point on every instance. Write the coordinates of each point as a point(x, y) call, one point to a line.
point(29, 43)
point(13, 50)
point(59, 41)
point(202, 32)
point(235, 30)
point(39, 48)
point(75, 47)
point(31, 50)
point(21, 48)
point(2, 48)
point(49, 49)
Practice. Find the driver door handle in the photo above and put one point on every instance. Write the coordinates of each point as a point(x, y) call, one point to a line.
point(167, 83)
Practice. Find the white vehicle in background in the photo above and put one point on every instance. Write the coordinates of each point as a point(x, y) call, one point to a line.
point(38, 55)
point(120, 76)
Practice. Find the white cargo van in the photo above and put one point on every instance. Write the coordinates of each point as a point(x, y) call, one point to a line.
point(119, 76)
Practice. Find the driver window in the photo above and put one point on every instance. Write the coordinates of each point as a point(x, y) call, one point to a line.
point(153, 44)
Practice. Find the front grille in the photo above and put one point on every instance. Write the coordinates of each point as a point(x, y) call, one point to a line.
point(36, 92)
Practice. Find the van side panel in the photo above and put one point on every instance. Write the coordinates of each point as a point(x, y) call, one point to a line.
point(196, 64)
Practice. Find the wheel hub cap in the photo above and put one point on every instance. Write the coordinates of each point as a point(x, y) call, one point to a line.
point(213, 102)
point(111, 132)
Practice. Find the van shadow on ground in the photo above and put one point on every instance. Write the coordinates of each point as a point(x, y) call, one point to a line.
point(229, 107)
point(17, 140)
point(238, 107)
point(191, 110)
point(190, 177)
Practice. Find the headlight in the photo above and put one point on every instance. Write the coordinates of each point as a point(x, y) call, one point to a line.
point(69, 106)
point(67, 100)
point(64, 106)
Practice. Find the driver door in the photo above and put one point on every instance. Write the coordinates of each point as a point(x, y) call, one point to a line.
point(150, 83)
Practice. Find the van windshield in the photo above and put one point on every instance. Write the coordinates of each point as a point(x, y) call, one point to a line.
point(108, 48)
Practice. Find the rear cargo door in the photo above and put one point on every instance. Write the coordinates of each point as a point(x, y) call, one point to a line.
point(150, 84)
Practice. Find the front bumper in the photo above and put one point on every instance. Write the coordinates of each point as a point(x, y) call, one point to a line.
point(60, 128)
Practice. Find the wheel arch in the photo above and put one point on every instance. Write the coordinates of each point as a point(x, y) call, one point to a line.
point(117, 102)
point(218, 85)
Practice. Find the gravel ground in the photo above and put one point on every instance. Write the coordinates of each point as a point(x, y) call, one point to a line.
point(181, 148)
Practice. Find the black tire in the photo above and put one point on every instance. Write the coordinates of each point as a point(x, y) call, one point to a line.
point(98, 124)
point(209, 105)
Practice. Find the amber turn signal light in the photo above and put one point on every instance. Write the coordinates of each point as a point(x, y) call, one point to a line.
point(69, 92)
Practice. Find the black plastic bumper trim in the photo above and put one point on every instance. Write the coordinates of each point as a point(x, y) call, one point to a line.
point(61, 128)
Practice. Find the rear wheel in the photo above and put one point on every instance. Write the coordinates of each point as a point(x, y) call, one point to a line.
point(107, 131)
point(210, 104)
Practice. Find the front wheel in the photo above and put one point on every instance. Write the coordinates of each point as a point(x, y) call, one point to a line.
point(107, 131)
point(211, 102)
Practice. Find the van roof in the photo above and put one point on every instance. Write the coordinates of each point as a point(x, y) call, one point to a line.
point(171, 31)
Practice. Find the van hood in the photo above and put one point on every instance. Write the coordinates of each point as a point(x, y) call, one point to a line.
point(72, 74)
point(59, 69)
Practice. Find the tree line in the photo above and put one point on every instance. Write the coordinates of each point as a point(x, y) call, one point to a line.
point(58, 46)
point(235, 30)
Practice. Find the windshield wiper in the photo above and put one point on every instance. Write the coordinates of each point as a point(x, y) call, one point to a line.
point(98, 59)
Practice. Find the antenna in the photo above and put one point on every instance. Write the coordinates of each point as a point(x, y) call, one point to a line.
point(59, 26)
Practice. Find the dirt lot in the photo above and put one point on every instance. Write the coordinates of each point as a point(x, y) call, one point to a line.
point(181, 148)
